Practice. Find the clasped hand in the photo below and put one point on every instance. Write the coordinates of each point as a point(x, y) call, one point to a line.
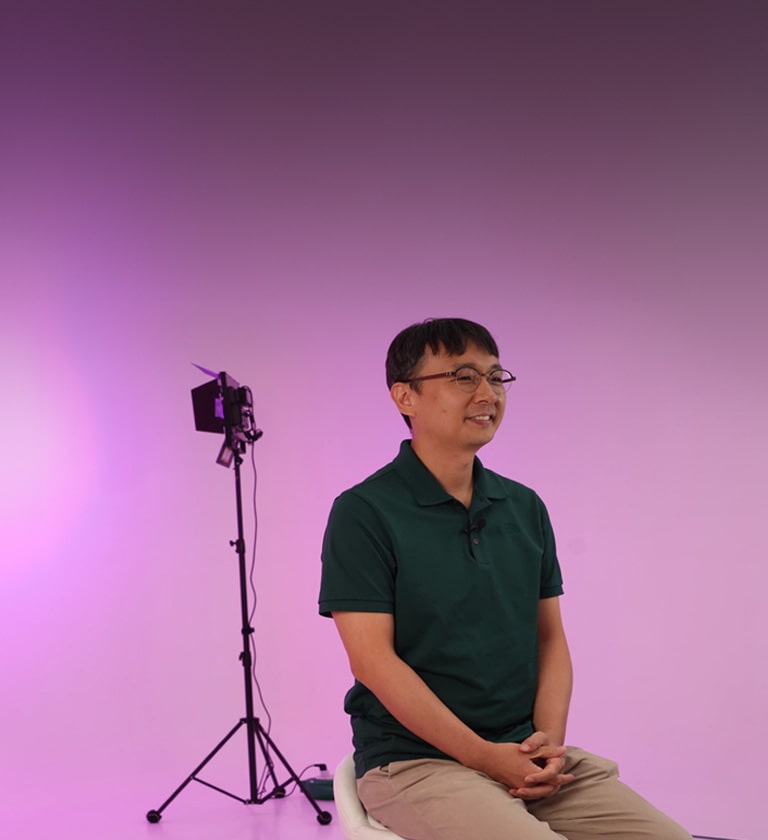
point(531, 770)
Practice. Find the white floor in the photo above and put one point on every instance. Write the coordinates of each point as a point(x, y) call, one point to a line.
point(209, 816)
point(105, 811)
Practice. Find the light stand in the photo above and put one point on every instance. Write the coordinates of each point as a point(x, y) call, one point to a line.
point(222, 405)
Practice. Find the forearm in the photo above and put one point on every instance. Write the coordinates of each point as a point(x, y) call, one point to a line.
point(553, 691)
point(410, 701)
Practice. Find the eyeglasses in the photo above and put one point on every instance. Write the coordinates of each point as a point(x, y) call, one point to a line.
point(468, 379)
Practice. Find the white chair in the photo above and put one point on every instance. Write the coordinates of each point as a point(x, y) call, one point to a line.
point(356, 822)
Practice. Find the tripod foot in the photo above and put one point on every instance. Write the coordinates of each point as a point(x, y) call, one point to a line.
point(324, 818)
point(156, 816)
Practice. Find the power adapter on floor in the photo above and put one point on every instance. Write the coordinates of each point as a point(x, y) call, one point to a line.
point(320, 786)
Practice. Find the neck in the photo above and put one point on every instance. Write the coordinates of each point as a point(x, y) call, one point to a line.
point(452, 469)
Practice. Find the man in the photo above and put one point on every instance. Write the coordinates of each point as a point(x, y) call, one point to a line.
point(443, 582)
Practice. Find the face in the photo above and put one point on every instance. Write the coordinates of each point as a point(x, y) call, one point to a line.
point(442, 415)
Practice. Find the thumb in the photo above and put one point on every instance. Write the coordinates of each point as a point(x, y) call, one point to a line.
point(533, 742)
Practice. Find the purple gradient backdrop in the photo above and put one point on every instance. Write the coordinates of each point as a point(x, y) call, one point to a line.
point(275, 189)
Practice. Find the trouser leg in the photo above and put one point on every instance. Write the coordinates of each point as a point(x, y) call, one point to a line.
point(429, 799)
point(597, 805)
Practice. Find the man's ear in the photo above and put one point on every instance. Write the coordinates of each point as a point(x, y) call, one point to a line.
point(402, 396)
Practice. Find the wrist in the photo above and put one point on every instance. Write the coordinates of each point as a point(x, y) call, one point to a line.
point(554, 735)
point(479, 755)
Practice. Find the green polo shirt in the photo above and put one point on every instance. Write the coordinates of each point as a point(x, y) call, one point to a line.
point(463, 586)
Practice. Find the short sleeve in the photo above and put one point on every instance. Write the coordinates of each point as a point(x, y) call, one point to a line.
point(358, 563)
point(551, 576)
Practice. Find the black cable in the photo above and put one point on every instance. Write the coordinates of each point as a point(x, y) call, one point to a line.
point(265, 776)
point(255, 596)
point(293, 787)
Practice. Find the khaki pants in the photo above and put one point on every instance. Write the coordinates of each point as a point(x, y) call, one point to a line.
point(431, 799)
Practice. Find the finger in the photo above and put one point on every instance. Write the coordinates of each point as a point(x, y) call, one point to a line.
point(534, 742)
point(533, 792)
point(547, 776)
point(546, 751)
point(548, 765)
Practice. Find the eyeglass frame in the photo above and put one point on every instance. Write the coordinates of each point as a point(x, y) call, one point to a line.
point(454, 374)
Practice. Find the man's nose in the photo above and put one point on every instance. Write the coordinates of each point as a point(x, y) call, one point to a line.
point(484, 392)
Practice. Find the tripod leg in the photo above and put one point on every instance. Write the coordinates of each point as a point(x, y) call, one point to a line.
point(323, 817)
point(155, 816)
point(278, 790)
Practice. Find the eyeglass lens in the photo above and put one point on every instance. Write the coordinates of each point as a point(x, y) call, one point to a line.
point(468, 379)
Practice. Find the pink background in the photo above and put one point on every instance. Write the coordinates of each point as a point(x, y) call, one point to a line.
point(275, 189)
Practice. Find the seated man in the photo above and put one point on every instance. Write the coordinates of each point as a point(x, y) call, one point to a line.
point(443, 582)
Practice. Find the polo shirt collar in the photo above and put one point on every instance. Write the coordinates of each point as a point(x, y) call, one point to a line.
point(428, 490)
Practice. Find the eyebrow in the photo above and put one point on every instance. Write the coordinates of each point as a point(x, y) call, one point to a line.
point(497, 366)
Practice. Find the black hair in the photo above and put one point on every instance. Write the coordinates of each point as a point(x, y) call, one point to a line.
point(451, 334)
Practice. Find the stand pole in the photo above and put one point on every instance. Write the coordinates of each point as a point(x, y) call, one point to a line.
point(255, 732)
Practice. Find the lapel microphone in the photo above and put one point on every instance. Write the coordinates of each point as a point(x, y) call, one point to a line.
point(474, 527)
